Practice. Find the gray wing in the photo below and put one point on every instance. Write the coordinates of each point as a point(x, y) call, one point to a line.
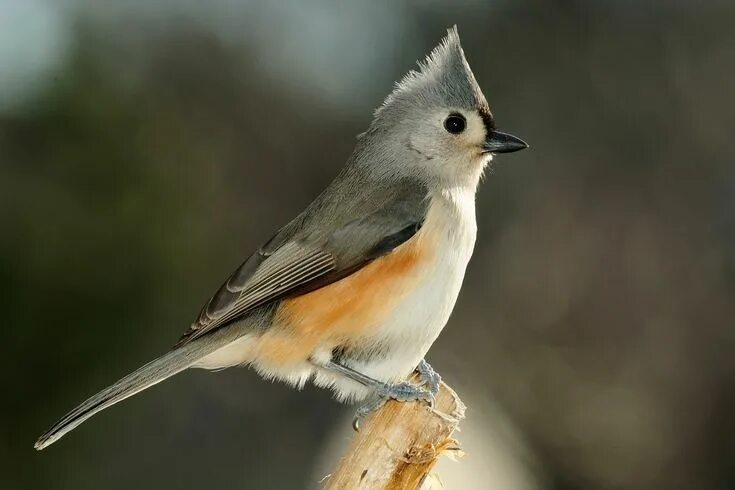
point(318, 248)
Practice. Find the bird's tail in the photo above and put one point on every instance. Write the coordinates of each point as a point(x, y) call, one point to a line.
point(152, 373)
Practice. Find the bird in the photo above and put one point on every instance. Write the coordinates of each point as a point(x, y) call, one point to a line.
point(352, 293)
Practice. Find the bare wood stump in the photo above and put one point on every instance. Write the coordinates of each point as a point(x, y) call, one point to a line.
point(398, 446)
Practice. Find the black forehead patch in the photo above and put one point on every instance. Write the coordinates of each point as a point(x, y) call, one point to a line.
point(487, 119)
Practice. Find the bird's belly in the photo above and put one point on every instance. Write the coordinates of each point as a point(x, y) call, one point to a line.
point(406, 334)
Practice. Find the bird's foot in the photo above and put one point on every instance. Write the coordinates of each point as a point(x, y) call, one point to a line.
point(405, 392)
point(402, 392)
point(429, 377)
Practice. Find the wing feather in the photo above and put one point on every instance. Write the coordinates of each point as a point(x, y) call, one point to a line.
point(312, 252)
point(288, 267)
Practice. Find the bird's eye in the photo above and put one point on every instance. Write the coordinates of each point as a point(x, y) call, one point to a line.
point(455, 123)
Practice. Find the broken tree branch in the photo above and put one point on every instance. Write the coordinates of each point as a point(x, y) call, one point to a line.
point(398, 446)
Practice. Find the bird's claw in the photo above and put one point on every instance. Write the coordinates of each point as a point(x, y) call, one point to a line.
point(429, 377)
point(402, 392)
point(405, 392)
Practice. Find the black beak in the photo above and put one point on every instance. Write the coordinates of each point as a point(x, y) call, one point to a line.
point(498, 142)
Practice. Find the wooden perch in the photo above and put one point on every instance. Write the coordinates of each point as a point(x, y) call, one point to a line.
point(397, 447)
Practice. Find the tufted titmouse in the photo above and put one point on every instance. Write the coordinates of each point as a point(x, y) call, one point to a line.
point(353, 291)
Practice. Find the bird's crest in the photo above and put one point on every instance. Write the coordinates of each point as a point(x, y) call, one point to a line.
point(443, 76)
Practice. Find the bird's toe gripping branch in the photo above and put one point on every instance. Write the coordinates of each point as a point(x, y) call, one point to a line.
point(429, 377)
point(402, 392)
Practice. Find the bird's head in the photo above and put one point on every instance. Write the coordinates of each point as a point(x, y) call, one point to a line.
point(436, 124)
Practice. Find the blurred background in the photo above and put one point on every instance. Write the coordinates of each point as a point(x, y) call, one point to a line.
point(147, 146)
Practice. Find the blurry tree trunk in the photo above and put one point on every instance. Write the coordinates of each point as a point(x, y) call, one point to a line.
point(397, 447)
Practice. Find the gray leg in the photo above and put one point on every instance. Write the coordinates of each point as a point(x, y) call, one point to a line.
point(429, 376)
point(401, 392)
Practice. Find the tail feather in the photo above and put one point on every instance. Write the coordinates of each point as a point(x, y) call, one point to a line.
point(152, 373)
